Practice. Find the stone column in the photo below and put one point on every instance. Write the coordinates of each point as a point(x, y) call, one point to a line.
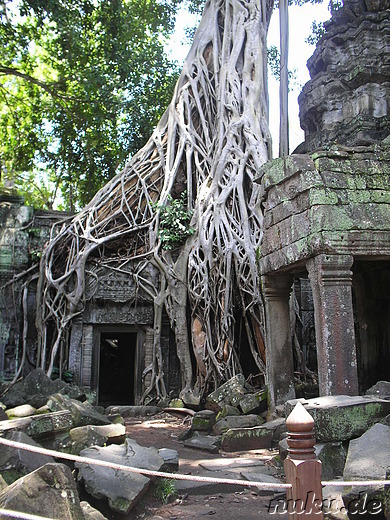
point(331, 281)
point(280, 367)
point(75, 350)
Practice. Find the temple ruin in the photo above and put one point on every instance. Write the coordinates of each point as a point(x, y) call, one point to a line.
point(327, 213)
point(326, 235)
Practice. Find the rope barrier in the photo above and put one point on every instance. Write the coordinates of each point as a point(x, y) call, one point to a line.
point(356, 483)
point(140, 471)
point(23, 516)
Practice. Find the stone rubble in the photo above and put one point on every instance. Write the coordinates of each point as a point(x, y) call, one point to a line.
point(354, 433)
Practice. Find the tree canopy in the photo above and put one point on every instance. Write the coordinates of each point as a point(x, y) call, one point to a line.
point(82, 85)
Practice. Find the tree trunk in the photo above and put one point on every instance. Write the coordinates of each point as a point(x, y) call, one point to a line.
point(210, 142)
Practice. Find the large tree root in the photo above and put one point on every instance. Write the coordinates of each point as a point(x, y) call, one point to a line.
point(210, 142)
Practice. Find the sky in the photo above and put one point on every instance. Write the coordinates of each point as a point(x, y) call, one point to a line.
point(300, 19)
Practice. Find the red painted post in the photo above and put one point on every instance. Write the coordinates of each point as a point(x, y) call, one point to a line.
point(303, 470)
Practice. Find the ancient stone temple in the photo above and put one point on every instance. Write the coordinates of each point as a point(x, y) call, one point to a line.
point(110, 344)
point(327, 211)
point(23, 233)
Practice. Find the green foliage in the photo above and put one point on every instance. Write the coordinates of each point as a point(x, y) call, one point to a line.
point(82, 85)
point(165, 490)
point(273, 59)
point(317, 31)
point(67, 376)
point(175, 220)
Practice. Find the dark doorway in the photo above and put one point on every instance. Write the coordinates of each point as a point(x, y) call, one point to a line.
point(371, 285)
point(117, 368)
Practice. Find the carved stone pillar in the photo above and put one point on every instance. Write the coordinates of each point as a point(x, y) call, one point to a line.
point(331, 280)
point(280, 367)
point(75, 347)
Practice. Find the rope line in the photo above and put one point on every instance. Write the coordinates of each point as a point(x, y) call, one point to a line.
point(140, 471)
point(172, 476)
point(356, 483)
point(23, 516)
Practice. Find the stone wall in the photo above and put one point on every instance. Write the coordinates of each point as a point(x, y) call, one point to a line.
point(23, 233)
point(335, 200)
point(113, 303)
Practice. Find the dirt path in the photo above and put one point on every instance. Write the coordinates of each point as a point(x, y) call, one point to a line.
point(196, 501)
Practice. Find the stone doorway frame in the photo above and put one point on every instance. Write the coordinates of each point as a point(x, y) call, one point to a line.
point(139, 356)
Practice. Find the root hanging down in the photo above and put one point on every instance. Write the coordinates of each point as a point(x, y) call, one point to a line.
point(209, 144)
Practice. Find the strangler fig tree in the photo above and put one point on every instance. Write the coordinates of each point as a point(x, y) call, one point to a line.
point(209, 144)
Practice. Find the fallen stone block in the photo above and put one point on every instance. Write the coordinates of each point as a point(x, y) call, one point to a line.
point(254, 403)
point(133, 411)
point(236, 421)
point(83, 437)
point(380, 389)
point(3, 483)
point(243, 439)
point(369, 455)
point(38, 426)
point(203, 421)
point(263, 478)
point(24, 410)
point(229, 393)
point(170, 458)
point(209, 443)
point(83, 414)
point(122, 489)
point(342, 417)
point(369, 459)
point(36, 388)
point(235, 465)
point(110, 433)
point(16, 462)
point(333, 504)
point(90, 513)
point(278, 427)
point(49, 491)
point(227, 409)
point(333, 456)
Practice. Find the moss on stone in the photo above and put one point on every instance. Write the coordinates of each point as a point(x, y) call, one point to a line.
point(120, 505)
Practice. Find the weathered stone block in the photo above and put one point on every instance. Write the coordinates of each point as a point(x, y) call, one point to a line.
point(243, 439)
point(90, 513)
point(24, 410)
point(49, 491)
point(380, 389)
point(133, 411)
point(369, 458)
point(227, 410)
point(237, 421)
point(16, 462)
point(39, 425)
point(86, 436)
point(333, 456)
point(228, 393)
point(254, 403)
point(199, 441)
point(121, 489)
point(170, 458)
point(203, 421)
point(342, 417)
point(82, 413)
